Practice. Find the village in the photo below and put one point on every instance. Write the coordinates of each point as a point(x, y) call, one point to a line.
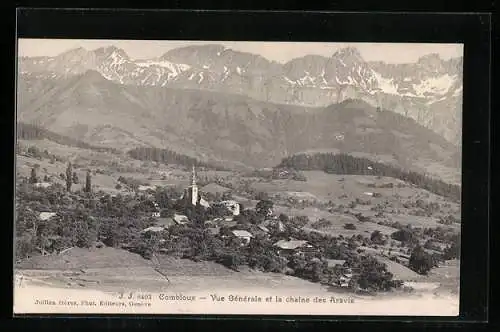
point(227, 227)
point(202, 227)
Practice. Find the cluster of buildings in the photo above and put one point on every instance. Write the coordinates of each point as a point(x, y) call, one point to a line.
point(286, 247)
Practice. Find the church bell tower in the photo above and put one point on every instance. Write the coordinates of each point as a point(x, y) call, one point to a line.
point(194, 188)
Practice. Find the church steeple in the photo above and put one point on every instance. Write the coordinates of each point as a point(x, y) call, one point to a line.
point(193, 177)
point(194, 188)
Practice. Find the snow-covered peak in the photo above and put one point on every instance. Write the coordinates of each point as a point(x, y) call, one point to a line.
point(348, 52)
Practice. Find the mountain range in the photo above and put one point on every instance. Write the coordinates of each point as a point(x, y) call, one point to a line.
point(230, 129)
point(428, 91)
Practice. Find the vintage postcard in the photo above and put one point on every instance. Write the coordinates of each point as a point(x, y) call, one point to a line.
point(217, 177)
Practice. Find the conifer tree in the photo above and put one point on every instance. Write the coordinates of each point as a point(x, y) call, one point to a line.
point(69, 171)
point(33, 177)
point(88, 182)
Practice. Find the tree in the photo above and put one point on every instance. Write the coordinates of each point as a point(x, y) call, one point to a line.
point(69, 173)
point(88, 182)
point(453, 251)
point(75, 178)
point(227, 196)
point(420, 261)
point(261, 196)
point(378, 238)
point(264, 207)
point(372, 274)
point(404, 235)
point(283, 217)
point(33, 177)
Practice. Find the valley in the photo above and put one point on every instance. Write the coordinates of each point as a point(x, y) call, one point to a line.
point(325, 204)
point(209, 169)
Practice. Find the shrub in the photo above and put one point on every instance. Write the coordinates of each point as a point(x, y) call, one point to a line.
point(405, 235)
point(420, 261)
point(378, 238)
point(231, 260)
point(448, 220)
point(33, 176)
point(372, 274)
point(453, 251)
point(350, 226)
point(321, 223)
point(362, 218)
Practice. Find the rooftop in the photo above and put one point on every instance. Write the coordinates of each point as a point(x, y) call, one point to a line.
point(242, 233)
point(292, 244)
point(46, 215)
point(334, 262)
point(153, 229)
point(165, 222)
point(214, 188)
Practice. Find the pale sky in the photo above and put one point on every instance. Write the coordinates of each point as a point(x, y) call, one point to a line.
point(277, 51)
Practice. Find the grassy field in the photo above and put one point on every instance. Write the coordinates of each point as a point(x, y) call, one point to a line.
point(112, 269)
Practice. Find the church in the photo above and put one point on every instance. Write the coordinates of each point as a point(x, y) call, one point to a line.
point(191, 193)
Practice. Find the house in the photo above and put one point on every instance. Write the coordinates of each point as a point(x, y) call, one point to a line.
point(204, 203)
point(146, 188)
point(261, 231)
point(263, 228)
point(46, 215)
point(180, 219)
point(274, 225)
point(214, 230)
point(156, 210)
point(345, 280)
point(293, 247)
point(335, 262)
point(43, 184)
point(232, 206)
point(165, 222)
point(153, 229)
point(244, 235)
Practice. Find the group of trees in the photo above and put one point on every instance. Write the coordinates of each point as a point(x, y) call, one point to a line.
point(82, 218)
point(34, 152)
point(346, 164)
point(34, 132)
point(279, 173)
point(194, 241)
point(166, 156)
point(70, 178)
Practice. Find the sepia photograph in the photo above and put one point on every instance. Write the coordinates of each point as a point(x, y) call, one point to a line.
point(237, 177)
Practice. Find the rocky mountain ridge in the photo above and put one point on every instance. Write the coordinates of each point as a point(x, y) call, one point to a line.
point(428, 91)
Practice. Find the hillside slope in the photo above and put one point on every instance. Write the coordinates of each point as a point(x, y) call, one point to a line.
point(215, 126)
